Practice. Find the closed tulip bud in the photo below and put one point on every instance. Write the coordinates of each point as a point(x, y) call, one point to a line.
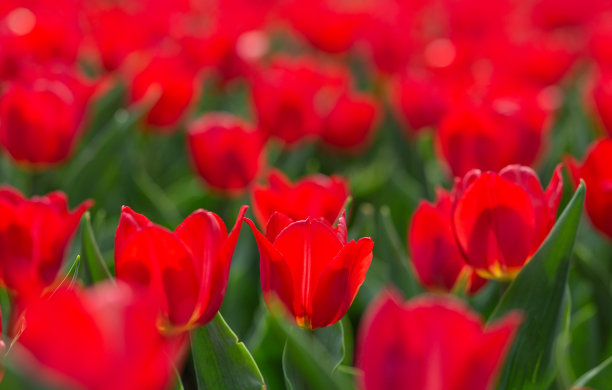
point(316, 196)
point(309, 266)
point(435, 255)
point(41, 118)
point(225, 151)
point(34, 235)
point(501, 219)
point(102, 338)
point(596, 171)
point(185, 270)
point(169, 84)
point(430, 342)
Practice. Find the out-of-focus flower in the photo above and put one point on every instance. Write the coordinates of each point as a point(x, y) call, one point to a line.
point(351, 122)
point(600, 41)
point(42, 115)
point(601, 99)
point(419, 100)
point(505, 128)
point(596, 171)
point(293, 96)
point(555, 14)
point(311, 268)
point(185, 270)
point(500, 220)
point(169, 84)
point(315, 196)
point(226, 152)
point(430, 342)
point(435, 255)
point(103, 338)
point(34, 235)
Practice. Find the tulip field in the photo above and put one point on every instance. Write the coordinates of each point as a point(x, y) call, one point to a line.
point(306, 194)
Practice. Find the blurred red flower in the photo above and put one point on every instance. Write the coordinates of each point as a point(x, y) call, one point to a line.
point(315, 196)
point(103, 338)
point(596, 171)
point(500, 220)
point(311, 268)
point(430, 342)
point(434, 252)
point(42, 115)
point(34, 235)
point(185, 270)
point(226, 151)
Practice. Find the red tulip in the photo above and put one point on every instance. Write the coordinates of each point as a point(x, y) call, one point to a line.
point(226, 152)
point(41, 117)
point(186, 270)
point(601, 95)
point(34, 235)
point(506, 128)
point(293, 96)
point(316, 196)
point(500, 220)
point(310, 267)
point(596, 171)
point(438, 262)
point(430, 343)
point(103, 338)
point(170, 84)
point(351, 122)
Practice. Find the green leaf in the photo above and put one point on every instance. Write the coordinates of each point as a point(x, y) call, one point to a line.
point(316, 366)
point(593, 373)
point(95, 265)
point(221, 361)
point(538, 292)
point(330, 338)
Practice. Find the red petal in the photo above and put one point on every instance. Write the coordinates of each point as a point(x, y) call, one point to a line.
point(130, 222)
point(338, 285)
point(494, 222)
point(276, 224)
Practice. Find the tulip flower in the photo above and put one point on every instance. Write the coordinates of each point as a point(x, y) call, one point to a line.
point(430, 343)
point(350, 124)
point(601, 96)
point(102, 338)
point(226, 152)
point(34, 235)
point(316, 196)
point(186, 270)
point(293, 96)
point(501, 219)
point(41, 117)
point(170, 85)
point(596, 171)
point(309, 266)
point(501, 130)
point(437, 260)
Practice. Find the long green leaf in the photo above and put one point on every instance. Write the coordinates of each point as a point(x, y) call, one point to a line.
point(95, 265)
point(221, 361)
point(593, 373)
point(538, 292)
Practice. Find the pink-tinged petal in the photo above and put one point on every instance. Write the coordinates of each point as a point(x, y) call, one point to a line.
point(276, 278)
point(158, 261)
point(554, 191)
point(528, 180)
point(11, 195)
point(130, 222)
point(338, 285)
point(308, 247)
point(494, 222)
point(218, 283)
point(341, 230)
point(276, 224)
point(433, 249)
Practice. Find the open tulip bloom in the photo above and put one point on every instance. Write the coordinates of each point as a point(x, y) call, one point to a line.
point(311, 268)
point(186, 270)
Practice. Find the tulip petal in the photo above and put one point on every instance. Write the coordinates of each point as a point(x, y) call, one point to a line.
point(308, 247)
point(494, 222)
point(130, 222)
point(276, 224)
point(274, 272)
point(338, 285)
